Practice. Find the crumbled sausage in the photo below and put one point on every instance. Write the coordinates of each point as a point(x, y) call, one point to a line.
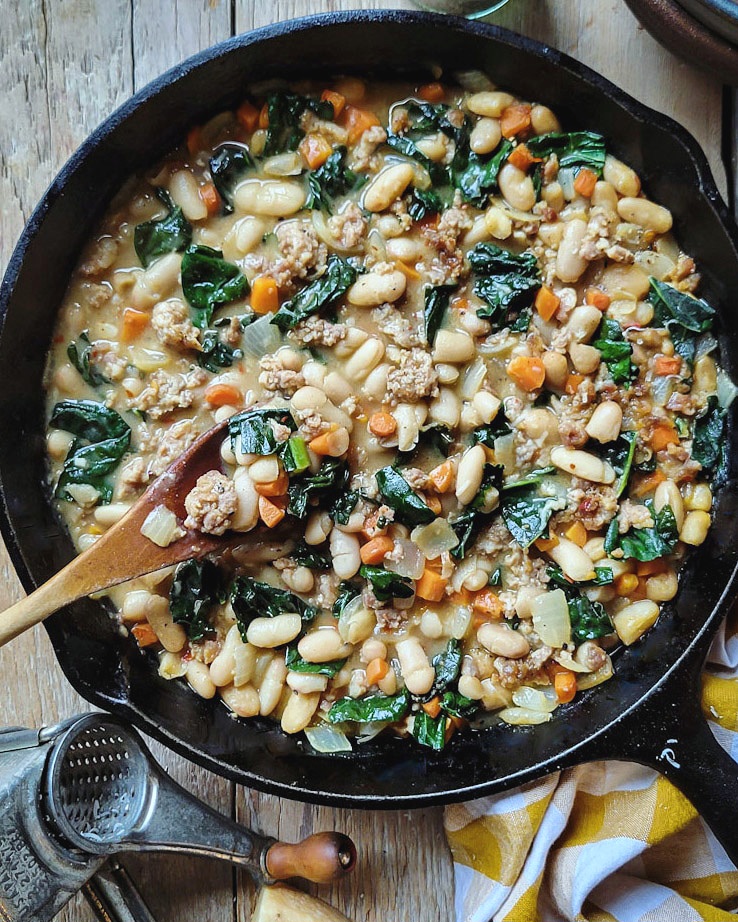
point(133, 476)
point(417, 479)
point(591, 504)
point(99, 257)
point(363, 156)
point(348, 226)
point(397, 327)
point(175, 440)
point(173, 326)
point(210, 504)
point(104, 355)
point(318, 332)
point(514, 672)
point(96, 294)
point(449, 265)
point(166, 393)
point(276, 379)
point(303, 253)
point(633, 515)
point(413, 379)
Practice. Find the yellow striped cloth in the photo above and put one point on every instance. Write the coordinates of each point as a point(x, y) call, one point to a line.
point(605, 841)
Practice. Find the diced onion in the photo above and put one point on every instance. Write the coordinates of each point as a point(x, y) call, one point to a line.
point(261, 337)
point(535, 699)
point(474, 81)
point(473, 379)
point(565, 659)
point(591, 679)
point(370, 730)
point(411, 561)
point(726, 390)
point(243, 664)
point(356, 622)
point(458, 623)
point(434, 539)
point(551, 618)
point(505, 451)
point(656, 264)
point(375, 246)
point(148, 359)
point(326, 738)
point(465, 569)
point(321, 229)
point(521, 717)
point(289, 164)
point(704, 345)
point(662, 387)
point(171, 665)
point(161, 527)
point(566, 179)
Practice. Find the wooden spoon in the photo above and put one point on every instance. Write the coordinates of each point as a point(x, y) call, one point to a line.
point(123, 553)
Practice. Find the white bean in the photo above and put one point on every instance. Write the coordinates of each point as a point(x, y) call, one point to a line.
point(453, 346)
point(625, 280)
point(490, 103)
point(364, 360)
point(417, 671)
point(445, 408)
point(171, 636)
point(373, 648)
point(635, 619)
point(408, 427)
point(470, 474)
point(198, 676)
point(498, 223)
point(110, 514)
point(573, 561)
point(662, 587)
point(308, 398)
point(704, 375)
point(306, 683)
point(646, 214)
point(224, 664)
point(299, 711)
point(322, 645)
point(337, 387)
point(605, 196)
point(582, 464)
point(387, 186)
point(243, 701)
point(585, 359)
point(318, 528)
point(667, 494)
point(375, 288)
point(583, 322)
point(503, 641)
point(517, 188)
point(699, 497)
point(300, 579)
point(430, 623)
point(136, 606)
point(604, 424)
point(471, 687)
point(543, 120)
point(622, 177)
point(557, 369)
point(247, 512)
point(265, 470)
point(695, 528)
point(345, 554)
point(272, 197)
point(485, 136)
point(274, 632)
point(185, 192)
point(270, 690)
point(570, 264)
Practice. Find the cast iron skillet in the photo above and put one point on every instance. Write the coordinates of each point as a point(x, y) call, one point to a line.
point(649, 712)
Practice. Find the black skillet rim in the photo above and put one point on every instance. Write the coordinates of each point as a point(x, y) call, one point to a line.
point(571, 755)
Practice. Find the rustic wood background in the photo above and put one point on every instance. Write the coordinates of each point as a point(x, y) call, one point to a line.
point(65, 65)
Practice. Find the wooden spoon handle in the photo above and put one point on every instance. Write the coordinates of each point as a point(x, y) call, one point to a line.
point(321, 858)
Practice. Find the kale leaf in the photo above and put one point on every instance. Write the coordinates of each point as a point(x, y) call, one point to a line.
point(346, 592)
point(195, 590)
point(573, 149)
point(216, 354)
point(386, 585)
point(424, 202)
point(708, 445)
point(284, 111)
point(169, 234)
point(468, 524)
point(619, 454)
point(398, 494)
point(478, 179)
point(252, 599)
point(371, 709)
point(228, 165)
point(527, 514)
point(307, 556)
point(458, 705)
point(645, 543)
point(323, 292)
point(343, 506)
point(331, 180)
point(447, 665)
point(615, 351)
point(209, 281)
point(295, 663)
point(331, 480)
point(251, 432)
point(589, 620)
point(437, 298)
point(430, 731)
point(80, 355)
point(682, 315)
point(508, 282)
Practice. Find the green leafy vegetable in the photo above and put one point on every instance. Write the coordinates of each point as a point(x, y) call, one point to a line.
point(619, 454)
point(169, 234)
point(330, 481)
point(603, 577)
point(589, 620)
point(215, 353)
point(430, 731)
point(436, 303)
point(398, 494)
point(478, 179)
point(285, 112)
point(307, 556)
point(458, 705)
point(371, 709)
point(102, 438)
point(209, 281)
point(331, 180)
point(251, 599)
point(708, 445)
point(294, 455)
point(616, 352)
point(682, 315)
point(251, 432)
point(424, 202)
point(386, 585)
point(80, 355)
point(447, 665)
point(508, 282)
point(195, 590)
point(324, 292)
point(431, 438)
point(573, 149)
point(527, 515)
point(230, 162)
point(295, 663)
point(532, 478)
point(495, 577)
point(486, 435)
point(645, 543)
point(468, 524)
point(343, 506)
point(346, 592)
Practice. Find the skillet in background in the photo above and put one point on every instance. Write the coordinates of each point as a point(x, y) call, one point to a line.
point(650, 711)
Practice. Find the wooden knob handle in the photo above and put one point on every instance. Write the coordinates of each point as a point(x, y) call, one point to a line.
point(321, 858)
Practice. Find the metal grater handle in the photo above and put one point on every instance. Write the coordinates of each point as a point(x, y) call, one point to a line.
point(113, 896)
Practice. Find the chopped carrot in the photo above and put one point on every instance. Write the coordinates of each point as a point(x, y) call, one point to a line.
point(333, 443)
point(134, 323)
point(337, 100)
point(223, 395)
point(376, 549)
point(487, 602)
point(565, 685)
point(264, 295)
point(369, 529)
point(598, 298)
point(433, 707)
point(546, 544)
point(646, 483)
point(434, 504)
point(442, 477)
point(547, 303)
point(572, 383)
point(194, 140)
point(667, 365)
point(382, 424)
point(585, 182)
point(270, 513)
point(514, 120)
point(315, 149)
point(410, 272)
point(663, 434)
point(651, 567)
point(247, 115)
point(625, 584)
point(522, 158)
point(264, 116)
point(144, 634)
point(432, 92)
point(376, 670)
point(276, 487)
point(527, 371)
point(357, 121)
point(210, 197)
point(577, 533)
point(460, 304)
point(431, 586)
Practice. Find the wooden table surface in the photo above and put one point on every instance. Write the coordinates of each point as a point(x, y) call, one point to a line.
point(65, 65)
